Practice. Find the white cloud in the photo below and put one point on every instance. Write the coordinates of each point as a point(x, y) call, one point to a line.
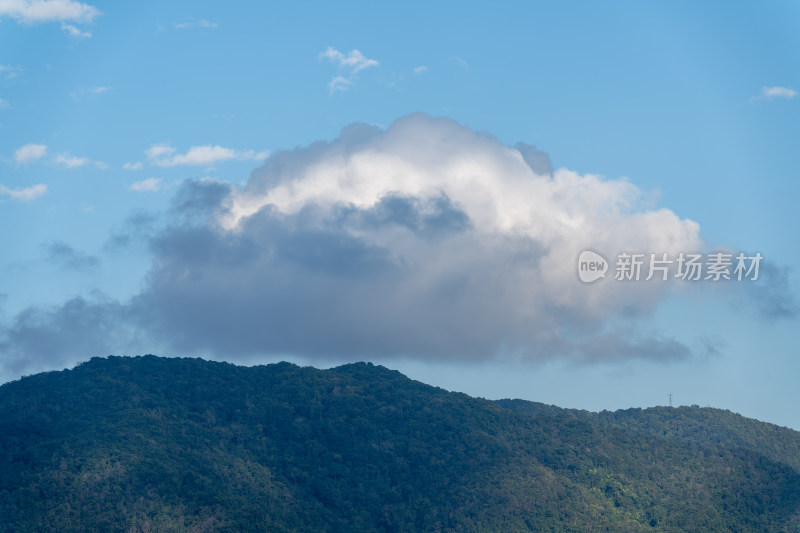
point(769, 93)
point(199, 24)
point(30, 152)
point(24, 195)
point(3, 103)
point(148, 185)
point(427, 239)
point(72, 31)
point(88, 91)
point(355, 61)
point(9, 72)
point(71, 161)
point(158, 151)
point(420, 70)
point(352, 62)
point(133, 166)
point(202, 155)
point(35, 11)
point(534, 225)
point(164, 155)
point(460, 62)
point(339, 83)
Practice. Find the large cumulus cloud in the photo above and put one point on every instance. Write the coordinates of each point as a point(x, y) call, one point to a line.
point(425, 240)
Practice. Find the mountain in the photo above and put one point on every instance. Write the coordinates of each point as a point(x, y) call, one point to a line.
point(164, 444)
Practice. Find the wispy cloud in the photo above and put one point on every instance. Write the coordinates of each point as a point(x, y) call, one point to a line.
point(773, 93)
point(352, 63)
point(38, 11)
point(68, 258)
point(29, 152)
point(460, 62)
point(133, 166)
point(88, 91)
point(421, 69)
point(70, 161)
point(9, 72)
point(354, 60)
point(3, 103)
point(198, 24)
point(24, 195)
point(339, 83)
point(72, 31)
point(778, 92)
point(148, 185)
point(164, 155)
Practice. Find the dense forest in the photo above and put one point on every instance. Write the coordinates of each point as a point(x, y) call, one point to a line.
point(165, 444)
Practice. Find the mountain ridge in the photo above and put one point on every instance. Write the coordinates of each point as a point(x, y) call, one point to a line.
point(179, 444)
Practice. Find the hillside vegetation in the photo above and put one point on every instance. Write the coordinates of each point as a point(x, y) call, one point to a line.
point(163, 444)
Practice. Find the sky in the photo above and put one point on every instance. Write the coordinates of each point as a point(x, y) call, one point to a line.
point(412, 185)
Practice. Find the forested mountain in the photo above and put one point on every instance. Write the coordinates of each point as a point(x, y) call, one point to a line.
point(163, 444)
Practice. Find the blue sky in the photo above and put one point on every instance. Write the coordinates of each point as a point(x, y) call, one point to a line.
point(129, 133)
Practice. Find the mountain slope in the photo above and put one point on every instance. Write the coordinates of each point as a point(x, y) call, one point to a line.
point(688, 425)
point(156, 444)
